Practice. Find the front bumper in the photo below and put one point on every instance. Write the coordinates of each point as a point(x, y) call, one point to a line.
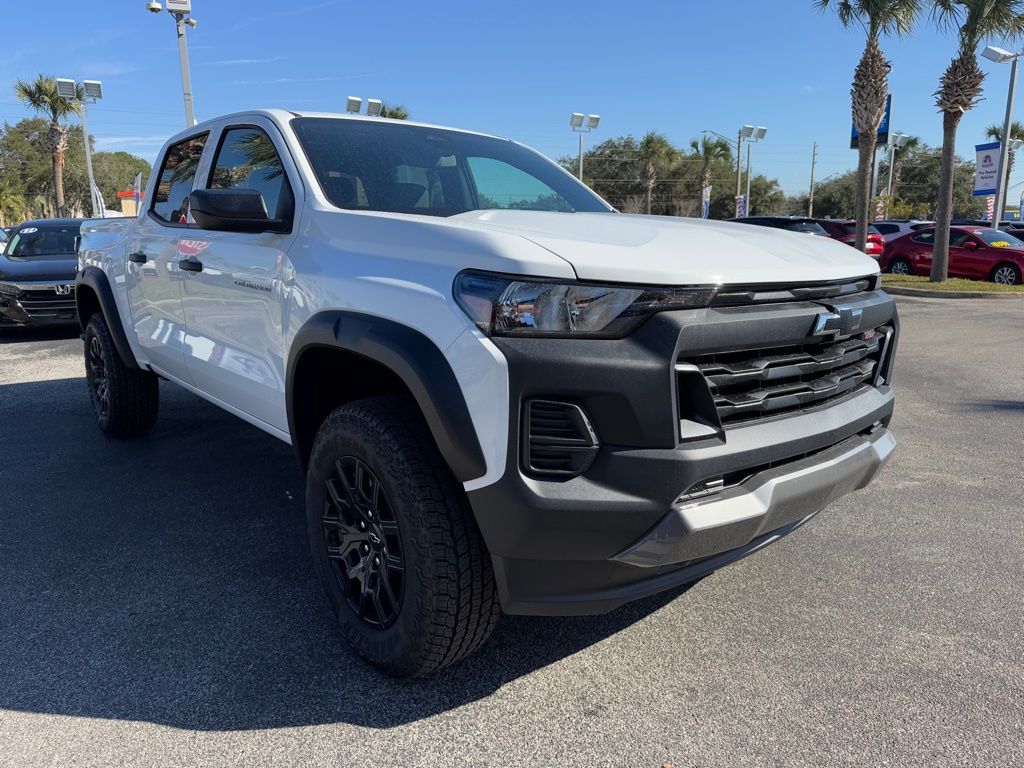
point(38, 303)
point(618, 532)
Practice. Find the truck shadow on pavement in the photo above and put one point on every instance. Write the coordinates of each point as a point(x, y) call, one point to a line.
point(167, 580)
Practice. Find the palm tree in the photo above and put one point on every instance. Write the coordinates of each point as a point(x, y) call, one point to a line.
point(13, 207)
point(959, 89)
point(707, 151)
point(871, 82)
point(394, 111)
point(41, 95)
point(656, 155)
point(995, 132)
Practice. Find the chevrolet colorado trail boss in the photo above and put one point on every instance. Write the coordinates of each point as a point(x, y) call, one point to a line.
point(505, 395)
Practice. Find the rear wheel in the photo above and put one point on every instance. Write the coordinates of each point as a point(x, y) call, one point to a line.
point(125, 400)
point(901, 266)
point(394, 542)
point(1006, 274)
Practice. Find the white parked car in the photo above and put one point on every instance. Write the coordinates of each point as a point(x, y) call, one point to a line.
point(893, 228)
point(505, 395)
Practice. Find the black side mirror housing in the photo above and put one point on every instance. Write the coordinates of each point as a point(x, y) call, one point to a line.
point(232, 210)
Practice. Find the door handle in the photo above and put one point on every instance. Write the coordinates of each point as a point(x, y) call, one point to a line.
point(190, 265)
point(138, 257)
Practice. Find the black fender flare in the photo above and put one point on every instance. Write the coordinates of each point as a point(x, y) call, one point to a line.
point(414, 359)
point(96, 279)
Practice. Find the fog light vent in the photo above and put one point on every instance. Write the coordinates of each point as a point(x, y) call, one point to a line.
point(559, 439)
point(701, 489)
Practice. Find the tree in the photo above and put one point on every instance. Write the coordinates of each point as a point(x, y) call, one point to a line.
point(394, 111)
point(995, 132)
point(706, 152)
point(13, 206)
point(41, 95)
point(959, 89)
point(656, 155)
point(871, 82)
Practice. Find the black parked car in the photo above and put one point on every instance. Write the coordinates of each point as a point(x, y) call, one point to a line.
point(792, 223)
point(37, 274)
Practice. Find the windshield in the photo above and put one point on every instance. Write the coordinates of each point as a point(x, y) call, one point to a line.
point(999, 239)
point(53, 240)
point(382, 166)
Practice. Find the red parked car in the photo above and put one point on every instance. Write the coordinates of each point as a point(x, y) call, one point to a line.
point(981, 253)
point(846, 232)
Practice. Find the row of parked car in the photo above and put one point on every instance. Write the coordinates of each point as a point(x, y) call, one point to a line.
point(904, 247)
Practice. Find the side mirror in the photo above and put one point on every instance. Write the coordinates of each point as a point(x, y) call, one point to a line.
point(969, 245)
point(232, 210)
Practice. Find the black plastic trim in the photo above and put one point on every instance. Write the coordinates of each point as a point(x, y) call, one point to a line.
point(416, 360)
point(96, 279)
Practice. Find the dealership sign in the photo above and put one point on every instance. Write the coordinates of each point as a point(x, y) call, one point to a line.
point(986, 172)
point(883, 127)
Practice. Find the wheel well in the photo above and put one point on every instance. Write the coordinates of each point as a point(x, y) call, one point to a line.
point(992, 273)
point(326, 378)
point(88, 304)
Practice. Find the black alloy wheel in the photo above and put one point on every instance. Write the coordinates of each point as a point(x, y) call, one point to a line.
point(360, 532)
point(96, 376)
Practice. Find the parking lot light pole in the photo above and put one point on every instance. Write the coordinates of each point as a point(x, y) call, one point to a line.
point(581, 124)
point(84, 92)
point(181, 11)
point(753, 136)
point(1001, 56)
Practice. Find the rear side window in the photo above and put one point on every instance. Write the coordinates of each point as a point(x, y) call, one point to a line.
point(248, 159)
point(916, 227)
point(170, 201)
point(806, 226)
point(886, 229)
point(924, 237)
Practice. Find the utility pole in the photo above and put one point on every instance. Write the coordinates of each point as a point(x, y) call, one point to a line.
point(810, 195)
point(186, 77)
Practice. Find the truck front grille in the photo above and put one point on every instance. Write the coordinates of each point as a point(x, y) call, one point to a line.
point(747, 385)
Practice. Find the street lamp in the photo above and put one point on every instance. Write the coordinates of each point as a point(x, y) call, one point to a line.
point(752, 135)
point(181, 11)
point(1002, 56)
point(581, 124)
point(91, 91)
point(353, 104)
point(896, 141)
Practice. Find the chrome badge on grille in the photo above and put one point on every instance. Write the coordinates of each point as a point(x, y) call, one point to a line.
point(62, 290)
point(842, 322)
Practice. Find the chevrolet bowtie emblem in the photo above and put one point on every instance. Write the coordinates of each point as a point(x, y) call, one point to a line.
point(843, 322)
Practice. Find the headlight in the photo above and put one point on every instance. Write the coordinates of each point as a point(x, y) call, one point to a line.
point(506, 306)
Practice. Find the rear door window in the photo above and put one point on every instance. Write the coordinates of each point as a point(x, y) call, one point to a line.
point(174, 184)
point(928, 238)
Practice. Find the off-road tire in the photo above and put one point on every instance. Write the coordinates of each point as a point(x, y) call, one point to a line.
point(125, 400)
point(448, 606)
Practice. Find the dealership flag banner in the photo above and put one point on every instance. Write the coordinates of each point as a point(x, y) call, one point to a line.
point(705, 202)
point(986, 173)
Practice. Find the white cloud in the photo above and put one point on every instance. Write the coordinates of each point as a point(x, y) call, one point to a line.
point(234, 62)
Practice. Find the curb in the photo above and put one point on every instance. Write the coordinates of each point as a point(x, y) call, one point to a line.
point(899, 290)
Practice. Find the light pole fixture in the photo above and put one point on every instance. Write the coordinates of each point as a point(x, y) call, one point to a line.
point(752, 134)
point(1002, 56)
point(582, 124)
point(90, 91)
point(374, 107)
point(181, 10)
point(896, 141)
point(353, 104)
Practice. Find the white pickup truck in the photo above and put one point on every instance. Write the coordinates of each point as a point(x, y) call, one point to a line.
point(505, 395)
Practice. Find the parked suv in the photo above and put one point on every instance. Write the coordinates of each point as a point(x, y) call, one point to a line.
point(37, 274)
point(890, 229)
point(791, 223)
point(505, 396)
point(845, 231)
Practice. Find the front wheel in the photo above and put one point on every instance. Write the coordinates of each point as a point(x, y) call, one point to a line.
point(1006, 274)
point(901, 266)
point(394, 542)
point(125, 400)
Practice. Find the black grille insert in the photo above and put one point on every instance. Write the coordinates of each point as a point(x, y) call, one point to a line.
point(559, 439)
point(753, 384)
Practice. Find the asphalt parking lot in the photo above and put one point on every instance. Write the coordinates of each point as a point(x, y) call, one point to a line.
point(158, 607)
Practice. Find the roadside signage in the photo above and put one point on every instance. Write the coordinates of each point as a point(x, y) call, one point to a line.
point(990, 208)
point(986, 171)
point(883, 127)
point(741, 206)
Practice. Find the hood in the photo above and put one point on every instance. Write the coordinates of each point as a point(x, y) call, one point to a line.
point(663, 250)
point(26, 269)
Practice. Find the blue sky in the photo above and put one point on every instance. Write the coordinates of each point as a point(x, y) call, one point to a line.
point(516, 69)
